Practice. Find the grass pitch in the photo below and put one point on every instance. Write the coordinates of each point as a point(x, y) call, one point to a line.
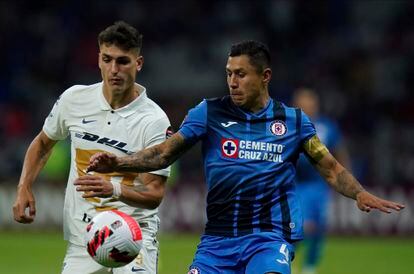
point(42, 253)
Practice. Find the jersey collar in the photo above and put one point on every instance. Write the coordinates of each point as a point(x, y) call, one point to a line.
point(127, 110)
point(258, 114)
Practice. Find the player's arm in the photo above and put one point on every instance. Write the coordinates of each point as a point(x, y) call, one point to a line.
point(342, 180)
point(147, 194)
point(153, 158)
point(35, 159)
point(150, 192)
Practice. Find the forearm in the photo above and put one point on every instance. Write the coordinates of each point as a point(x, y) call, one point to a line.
point(35, 159)
point(154, 158)
point(143, 161)
point(340, 178)
point(140, 197)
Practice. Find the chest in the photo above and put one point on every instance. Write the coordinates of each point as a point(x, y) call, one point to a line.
point(107, 131)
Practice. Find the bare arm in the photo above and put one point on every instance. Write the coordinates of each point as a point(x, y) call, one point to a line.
point(35, 159)
point(343, 181)
point(151, 191)
point(150, 159)
point(148, 194)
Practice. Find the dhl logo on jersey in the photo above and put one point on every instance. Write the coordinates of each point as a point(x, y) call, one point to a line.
point(103, 140)
point(251, 150)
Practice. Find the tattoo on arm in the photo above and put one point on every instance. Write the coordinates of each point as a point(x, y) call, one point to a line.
point(333, 172)
point(347, 185)
point(156, 157)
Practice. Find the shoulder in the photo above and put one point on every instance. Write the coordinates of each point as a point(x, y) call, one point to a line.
point(153, 110)
point(289, 111)
point(216, 104)
point(80, 92)
point(225, 100)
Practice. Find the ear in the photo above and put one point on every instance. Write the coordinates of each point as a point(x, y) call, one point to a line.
point(267, 75)
point(99, 60)
point(140, 62)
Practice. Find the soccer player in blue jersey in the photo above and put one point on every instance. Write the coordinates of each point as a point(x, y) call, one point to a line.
point(250, 145)
point(313, 192)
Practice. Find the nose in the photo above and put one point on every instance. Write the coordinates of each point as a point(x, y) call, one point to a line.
point(114, 67)
point(233, 82)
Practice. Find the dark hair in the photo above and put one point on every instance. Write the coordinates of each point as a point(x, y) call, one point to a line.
point(122, 35)
point(259, 55)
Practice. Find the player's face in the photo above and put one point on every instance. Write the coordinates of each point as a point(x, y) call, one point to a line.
point(119, 68)
point(247, 85)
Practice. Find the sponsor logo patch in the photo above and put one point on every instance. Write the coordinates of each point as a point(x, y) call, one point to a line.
point(229, 123)
point(278, 128)
point(84, 121)
point(229, 148)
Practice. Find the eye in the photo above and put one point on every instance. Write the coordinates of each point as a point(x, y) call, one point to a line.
point(106, 59)
point(123, 61)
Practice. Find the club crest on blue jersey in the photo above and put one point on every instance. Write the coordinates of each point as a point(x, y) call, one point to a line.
point(194, 270)
point(278, 128)
point(229, 148)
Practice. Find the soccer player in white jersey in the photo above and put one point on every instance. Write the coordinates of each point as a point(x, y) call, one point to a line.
point(113, 116)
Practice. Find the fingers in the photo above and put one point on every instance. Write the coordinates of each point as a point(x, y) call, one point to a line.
point(32, 209)
point(93, 186)
point(382, 205)
point(392, 205)
point(19, 213)
point(95, 160)
point(92, 194)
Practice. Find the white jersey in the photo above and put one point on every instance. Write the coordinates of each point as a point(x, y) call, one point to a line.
point(83, 113)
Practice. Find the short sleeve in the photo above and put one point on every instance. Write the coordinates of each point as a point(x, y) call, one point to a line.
point(194, 126)
point(54, 125)
point(157, 132)
point(307, 128)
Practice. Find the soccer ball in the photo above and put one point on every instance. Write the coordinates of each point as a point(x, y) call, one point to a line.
point(113, 238)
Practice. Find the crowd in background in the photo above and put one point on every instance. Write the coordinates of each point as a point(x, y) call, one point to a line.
point(359, 55)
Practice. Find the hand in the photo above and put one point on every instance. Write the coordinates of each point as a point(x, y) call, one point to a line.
point(102, 163)
point(94, 186)
point(25, 199)
point(366, 201)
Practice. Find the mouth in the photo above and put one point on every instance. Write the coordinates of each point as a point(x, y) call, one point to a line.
point(115, 81)
point(236, 95)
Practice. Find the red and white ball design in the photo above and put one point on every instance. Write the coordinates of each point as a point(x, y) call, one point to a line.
point(113, 238)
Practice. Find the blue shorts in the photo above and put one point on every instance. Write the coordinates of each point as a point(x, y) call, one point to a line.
point(257, 253)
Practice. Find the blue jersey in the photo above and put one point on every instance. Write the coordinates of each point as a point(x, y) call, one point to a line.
point(249, 163)
point(329, 134)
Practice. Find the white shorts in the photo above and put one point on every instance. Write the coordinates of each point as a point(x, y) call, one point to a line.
point(78, 261)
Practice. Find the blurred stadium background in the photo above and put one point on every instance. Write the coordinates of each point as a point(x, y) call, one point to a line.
point(359, 55)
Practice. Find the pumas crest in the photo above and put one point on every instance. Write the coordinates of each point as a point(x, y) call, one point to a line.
point(278, 128)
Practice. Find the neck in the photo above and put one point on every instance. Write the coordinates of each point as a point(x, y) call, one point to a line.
point(120, 98)
point(259, 104)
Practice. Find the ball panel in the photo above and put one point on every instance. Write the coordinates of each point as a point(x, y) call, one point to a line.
point(113, 238)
